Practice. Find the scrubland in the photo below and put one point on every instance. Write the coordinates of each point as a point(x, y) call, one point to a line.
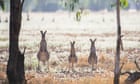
point(61, 29)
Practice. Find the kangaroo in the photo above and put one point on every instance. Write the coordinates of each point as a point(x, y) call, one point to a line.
point(72, 58)
point(92, 59)
point(43, 54)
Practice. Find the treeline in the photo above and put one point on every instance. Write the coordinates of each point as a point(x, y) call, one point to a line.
point(54, 5)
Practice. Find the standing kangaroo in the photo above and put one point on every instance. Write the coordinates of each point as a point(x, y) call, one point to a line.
point(72, 58)
point(43, 54)
point(92, 59)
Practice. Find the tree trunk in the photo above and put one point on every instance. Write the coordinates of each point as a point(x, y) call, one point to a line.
point(15, 66)
point(117, 57)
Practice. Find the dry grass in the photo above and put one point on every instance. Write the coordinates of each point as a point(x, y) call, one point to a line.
point(83, 61)
point(58, 37)
point(3, 67)
point(2, 75)
point(41, 79)
point(124, 59)
point(84, 80)
point(98, 79)
point(129, 66)
point(102, 58)
point(106, 77)
point(3, 78)
point(105, 62)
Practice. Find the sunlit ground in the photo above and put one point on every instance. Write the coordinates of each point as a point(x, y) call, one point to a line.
point(62, 28)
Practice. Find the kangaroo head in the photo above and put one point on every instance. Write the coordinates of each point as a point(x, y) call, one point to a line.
point(72, 43)
point(43, 34)
point(72, 48)
point(92, 42)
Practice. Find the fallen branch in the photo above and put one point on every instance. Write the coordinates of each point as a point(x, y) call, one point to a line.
point(133, 76)
point(137, 65)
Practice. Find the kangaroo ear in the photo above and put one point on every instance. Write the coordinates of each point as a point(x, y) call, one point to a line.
point(94, 40)
point(90, 40)
point(73, 42)
point(41, 32)
point(45, 32)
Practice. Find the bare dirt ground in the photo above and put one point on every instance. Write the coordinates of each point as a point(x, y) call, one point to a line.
point(61, 29)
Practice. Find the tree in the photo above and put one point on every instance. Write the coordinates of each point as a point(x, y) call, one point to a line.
point(122, 3)
point(15, 66)
point(117, 57)
point(70, 5)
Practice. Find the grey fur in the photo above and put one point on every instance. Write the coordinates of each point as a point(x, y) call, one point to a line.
point(92, 59)
point(72, 58)
point(43, 54)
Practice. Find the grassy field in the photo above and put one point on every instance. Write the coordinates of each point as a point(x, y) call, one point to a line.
point(61, 29)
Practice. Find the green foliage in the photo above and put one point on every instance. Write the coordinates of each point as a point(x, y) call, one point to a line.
point(71, 5)
point(123, 4)
point(78, 16)
point(2, 4)
point(76, 1)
